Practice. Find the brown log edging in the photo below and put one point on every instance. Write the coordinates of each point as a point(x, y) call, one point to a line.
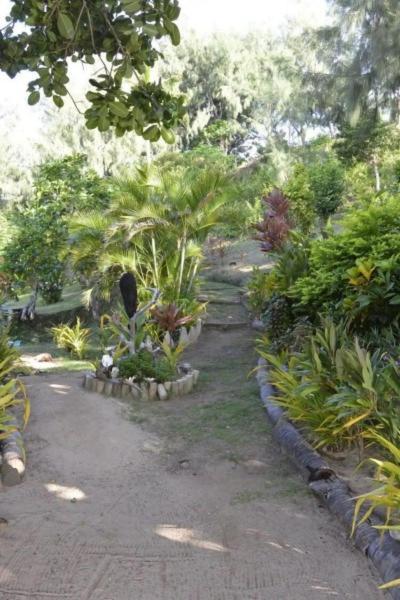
point(337, 496)
point(147, 390)
point(12, 457)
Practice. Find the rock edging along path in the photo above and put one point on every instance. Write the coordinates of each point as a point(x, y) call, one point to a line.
point(147, 390)
point(384, 551)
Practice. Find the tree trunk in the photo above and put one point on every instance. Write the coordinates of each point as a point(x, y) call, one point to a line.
point(377, 175)
point(29, 310)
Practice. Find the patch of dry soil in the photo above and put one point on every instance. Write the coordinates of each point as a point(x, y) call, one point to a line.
point(159, 501)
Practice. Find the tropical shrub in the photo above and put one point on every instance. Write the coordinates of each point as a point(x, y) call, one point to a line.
point(277, 316)
point(169, 317)
point(386, 495)
point(359, 184)
point(144, 365)
point(274, 229)
point(327, 187)
point(12, 392)
point(355, 274)
point(302, 205)
point(260, 287)
point(337, 388)
point(75, 339)
point(155, 228)
point(35, 254)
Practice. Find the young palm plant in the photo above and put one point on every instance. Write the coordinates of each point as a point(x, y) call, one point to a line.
point(155, 227)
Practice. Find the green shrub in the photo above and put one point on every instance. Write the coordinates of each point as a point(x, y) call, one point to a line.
point(278, 316)
point(386, 494)
point(260, 286)
point(12, 392)
point(302, 204)
point(359, 183)
point(143, 365)
point(315, 190)
point(327, 186)
point(337, 389)
point(369, 239)
point(51, 292)
point(74, 339)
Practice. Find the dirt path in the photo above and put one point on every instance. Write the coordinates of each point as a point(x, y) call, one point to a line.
point(160, 502)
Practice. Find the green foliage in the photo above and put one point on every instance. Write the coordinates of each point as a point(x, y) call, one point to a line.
point(292, 261)
point(74, 339)
point(195, 161)
point(337, 389)
point(45, 37)
point(368, 241)
point(302, 205)
point(359, 184)
point(314, 190)
point(327, 186)
point(277, 316)
point(36, 252)
point(12, 392)
point(386, 495)
point(143, 365)
point(222, 134)
point(260, 286)
point(155, 228)
point(360, 141)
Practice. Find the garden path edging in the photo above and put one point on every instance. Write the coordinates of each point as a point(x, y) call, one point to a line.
point(144, 391)
point(329, 487)
point(12, 457)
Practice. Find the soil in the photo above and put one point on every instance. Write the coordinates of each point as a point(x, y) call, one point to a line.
point(184, 500)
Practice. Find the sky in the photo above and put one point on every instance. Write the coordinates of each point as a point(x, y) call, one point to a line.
point(205, 17)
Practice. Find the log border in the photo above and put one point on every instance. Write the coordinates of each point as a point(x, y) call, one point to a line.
point(336, 495)
point(147, 390)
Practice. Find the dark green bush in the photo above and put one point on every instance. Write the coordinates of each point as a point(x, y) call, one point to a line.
point(143, 365)
point(355, 274)
point(327, 186)
point(278, 316)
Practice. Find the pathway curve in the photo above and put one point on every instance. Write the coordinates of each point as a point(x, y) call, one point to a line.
point(164, 501)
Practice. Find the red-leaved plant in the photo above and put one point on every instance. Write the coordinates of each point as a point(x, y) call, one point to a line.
point(274, 229)
point(169, 317)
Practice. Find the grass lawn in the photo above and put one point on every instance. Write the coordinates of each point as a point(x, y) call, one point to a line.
point(71, 299)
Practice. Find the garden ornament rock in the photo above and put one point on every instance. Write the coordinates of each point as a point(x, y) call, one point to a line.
point(114, 372)
point(107, 361)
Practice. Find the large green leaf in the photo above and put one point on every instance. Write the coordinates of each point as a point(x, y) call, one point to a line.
point(65, 26)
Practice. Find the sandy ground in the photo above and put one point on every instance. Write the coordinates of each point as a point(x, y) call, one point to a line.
point(159, 501)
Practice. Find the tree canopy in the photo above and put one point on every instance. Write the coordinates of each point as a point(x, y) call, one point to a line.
point(120, 35)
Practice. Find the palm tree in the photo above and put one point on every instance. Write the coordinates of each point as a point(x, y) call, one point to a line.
point(155, 227)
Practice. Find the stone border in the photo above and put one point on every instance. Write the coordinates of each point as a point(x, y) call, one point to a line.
point(225, 325)
point(148, 390)
point(384, 552)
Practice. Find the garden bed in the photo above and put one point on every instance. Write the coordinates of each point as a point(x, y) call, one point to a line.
point(146, 390)
point(330, 488)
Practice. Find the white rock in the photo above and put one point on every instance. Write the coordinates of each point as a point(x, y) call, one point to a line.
point(184, 337)
point(107, 361)
point(162, 392)
point(114, 373)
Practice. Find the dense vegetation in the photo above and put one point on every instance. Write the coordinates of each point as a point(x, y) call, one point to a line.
point(292, 140)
